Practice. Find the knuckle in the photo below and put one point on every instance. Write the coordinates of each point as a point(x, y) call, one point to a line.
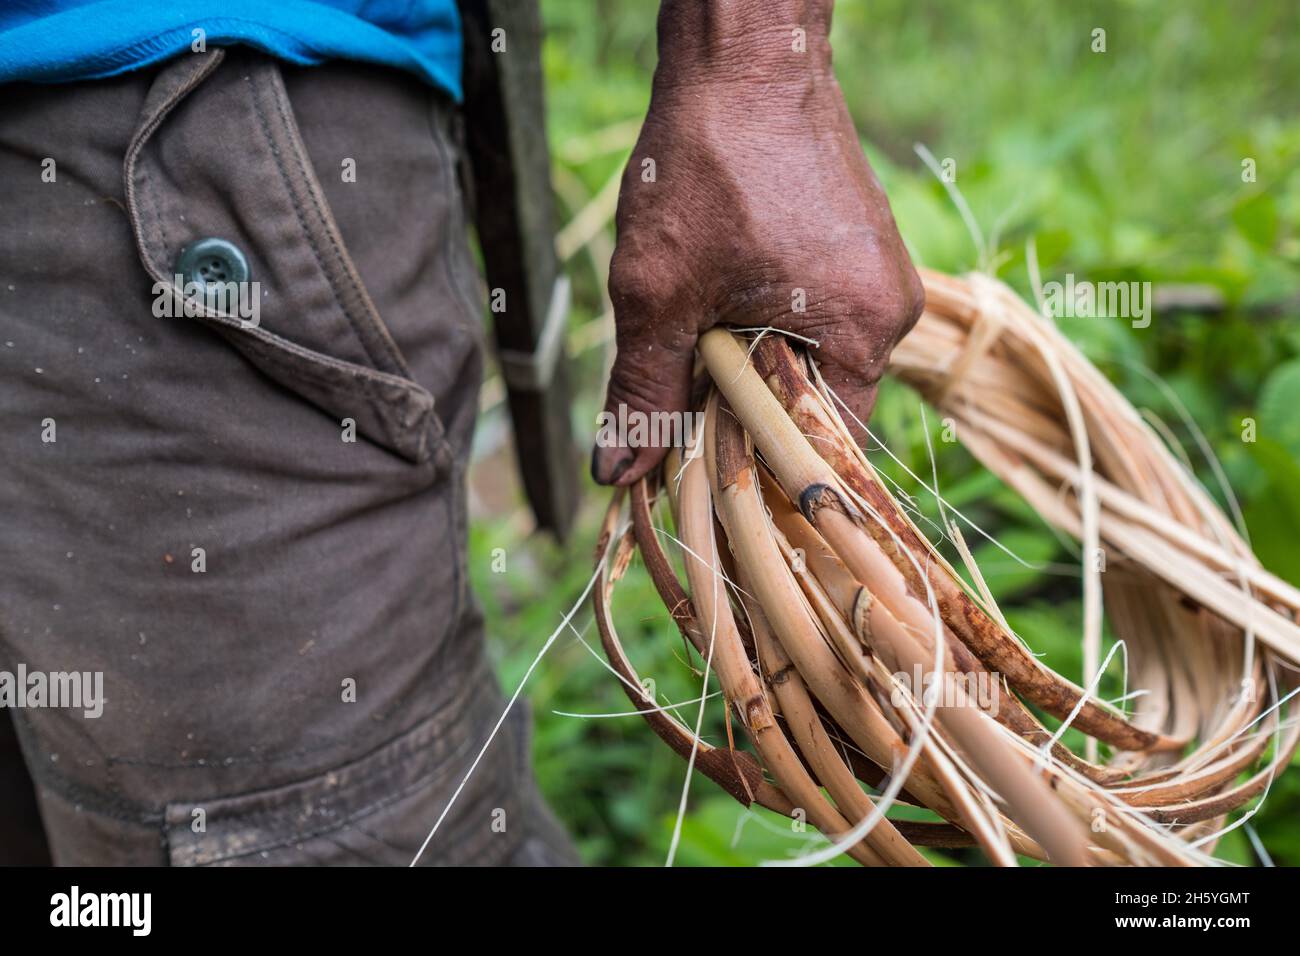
point(641, 275)
point(638, 389)
point(913, 300)
point(894, 304)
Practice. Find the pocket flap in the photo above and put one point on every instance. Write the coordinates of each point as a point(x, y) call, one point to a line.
point(217, 153)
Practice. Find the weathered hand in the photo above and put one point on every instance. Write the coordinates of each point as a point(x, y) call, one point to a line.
point(748, 202)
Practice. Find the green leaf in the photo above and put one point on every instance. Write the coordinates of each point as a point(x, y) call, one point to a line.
point(1256, 219)
point(1007, 576)
point(1279, 407)
point(1273, 517)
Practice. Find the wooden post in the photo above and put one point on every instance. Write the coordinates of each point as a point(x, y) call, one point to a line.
point(513, 210)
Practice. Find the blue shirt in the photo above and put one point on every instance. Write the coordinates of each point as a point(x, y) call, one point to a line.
point(49, 41)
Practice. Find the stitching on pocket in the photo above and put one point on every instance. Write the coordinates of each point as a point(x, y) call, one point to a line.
point(311, 238)
point(314, 367)
point(203, 69)
point(280, 839)
point(421, 422)
point(368, 771)
point(345, 268)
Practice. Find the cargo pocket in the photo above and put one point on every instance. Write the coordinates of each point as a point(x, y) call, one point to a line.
point(377, 811)
point(222, 197)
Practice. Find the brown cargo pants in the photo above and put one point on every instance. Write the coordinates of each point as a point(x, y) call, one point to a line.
point(248, 519)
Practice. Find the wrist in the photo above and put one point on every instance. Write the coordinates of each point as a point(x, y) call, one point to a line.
point(770, 45)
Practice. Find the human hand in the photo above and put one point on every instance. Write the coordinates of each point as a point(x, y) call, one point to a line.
point(748, 202)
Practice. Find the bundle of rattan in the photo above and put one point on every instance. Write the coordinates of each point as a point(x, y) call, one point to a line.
point(850, 651)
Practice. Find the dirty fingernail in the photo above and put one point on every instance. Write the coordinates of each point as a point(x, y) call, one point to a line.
point(623, 465)
point(602, 471)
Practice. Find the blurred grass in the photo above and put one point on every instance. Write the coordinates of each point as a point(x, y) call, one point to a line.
point(1123, 165)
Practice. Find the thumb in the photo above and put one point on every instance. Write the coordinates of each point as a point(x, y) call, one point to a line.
point(651, 376)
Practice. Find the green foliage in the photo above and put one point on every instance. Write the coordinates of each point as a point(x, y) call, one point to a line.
point(1123, 165)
